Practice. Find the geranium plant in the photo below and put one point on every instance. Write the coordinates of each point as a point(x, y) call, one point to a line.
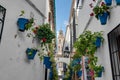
point(100, 10)
point(44, 33)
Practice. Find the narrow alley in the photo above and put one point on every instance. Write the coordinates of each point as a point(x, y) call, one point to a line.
point(59, 39)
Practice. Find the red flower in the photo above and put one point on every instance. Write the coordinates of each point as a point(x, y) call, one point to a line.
point(44, 39)
point(88, 61)
point(92, 14)
point(34, 31)
point(102, 4)
point(91, 73)
point(91, 5)
point(36, 27)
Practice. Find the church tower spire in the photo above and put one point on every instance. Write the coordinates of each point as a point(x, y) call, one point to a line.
point(60, 42)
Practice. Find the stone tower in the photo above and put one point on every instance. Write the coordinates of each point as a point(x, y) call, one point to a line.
point(60, 42)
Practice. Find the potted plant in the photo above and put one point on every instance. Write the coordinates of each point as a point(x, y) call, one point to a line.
point(98, 38)
point(84, 45)
point(102, 12)
point(31, 53)
point(79, 73)
point(23, 23)
point(43, 33)
point(47, 62)
point(108, 2)
point(98, 71)
point(76, 61)
point(118, 2)
point(50, 75)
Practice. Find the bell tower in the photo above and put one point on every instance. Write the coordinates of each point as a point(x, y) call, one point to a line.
point(60, 42)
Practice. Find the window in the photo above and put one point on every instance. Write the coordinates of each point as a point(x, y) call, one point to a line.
point(79, 4)
point(2, 17)
point(114, 46)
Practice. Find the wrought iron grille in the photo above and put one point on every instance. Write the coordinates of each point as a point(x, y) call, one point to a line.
point(2, 18)
point(114, 47)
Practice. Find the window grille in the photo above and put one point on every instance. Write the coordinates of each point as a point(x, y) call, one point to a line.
point(114, 47)
point(2, 18)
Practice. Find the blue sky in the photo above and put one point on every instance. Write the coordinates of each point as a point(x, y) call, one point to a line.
point(62, 14)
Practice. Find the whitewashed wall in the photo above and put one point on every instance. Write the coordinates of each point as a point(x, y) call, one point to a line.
point(67, 38)
point(103, 51)
point(13, 62)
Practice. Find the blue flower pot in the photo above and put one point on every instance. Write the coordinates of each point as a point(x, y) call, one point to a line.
point(32, 55)
point(79, 73)
point(98, 42)
point(76, 61)
point(69, 78)
point(99, 74)
point(103, 18)
point(50, 75)
point(118, 2)
point(21, 23)
point(47, 62)
point(108, 2)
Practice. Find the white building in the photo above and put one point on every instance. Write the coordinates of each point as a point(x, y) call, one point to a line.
point(13, 62)
point(108, 54)
point(60, 43)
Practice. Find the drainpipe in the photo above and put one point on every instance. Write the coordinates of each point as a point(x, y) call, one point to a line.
point(45, 73)
point(70, 39)
point(74, 26)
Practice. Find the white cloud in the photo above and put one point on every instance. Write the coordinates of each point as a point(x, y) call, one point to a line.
point(57, 33)
point(65, 23)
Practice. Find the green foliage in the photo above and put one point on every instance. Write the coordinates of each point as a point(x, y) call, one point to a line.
point(77, 56)
point(92, 62)
point(98, 69)
point(44, 32)
point(84, 45)
point(100, 10)
point(53, 67)
point(31, 51)
point(22, 13)
point(67, 73)
point(99, 34)
point(29, 24)
point(77, 67)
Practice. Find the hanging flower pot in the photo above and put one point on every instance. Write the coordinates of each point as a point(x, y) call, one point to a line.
point(118, 2)
point(98, 71)
point(50, 75)
point(31, 53)
point(44, 34)
point(108, 2)
point(69, 78)
point(21, 23)
point(47, 62)
point(103, 18)
point(79, 73)
point(99, 74)
point(98, 42)
point(76, 61)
